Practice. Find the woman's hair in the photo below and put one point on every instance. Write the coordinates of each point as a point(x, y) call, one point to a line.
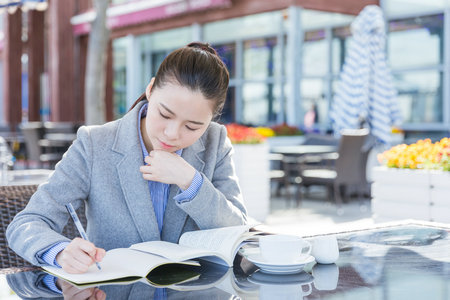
point(198, 67)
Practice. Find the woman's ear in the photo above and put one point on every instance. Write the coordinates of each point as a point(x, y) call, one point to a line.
point(148, 90)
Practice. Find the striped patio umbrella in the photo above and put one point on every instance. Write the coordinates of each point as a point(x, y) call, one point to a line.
point(365, 92)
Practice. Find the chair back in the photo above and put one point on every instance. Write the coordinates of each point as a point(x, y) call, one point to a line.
point(350, 161)
point(32, 132)
point(13, 199)
point(320, 139)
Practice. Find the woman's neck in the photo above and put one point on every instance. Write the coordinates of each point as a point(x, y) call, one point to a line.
point(147, 143)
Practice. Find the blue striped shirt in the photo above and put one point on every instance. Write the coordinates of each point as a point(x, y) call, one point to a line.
point(159, 193)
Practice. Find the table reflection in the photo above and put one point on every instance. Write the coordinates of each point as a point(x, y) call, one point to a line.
point(398, 262)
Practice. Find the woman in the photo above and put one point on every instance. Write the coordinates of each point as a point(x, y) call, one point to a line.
point(163, 169)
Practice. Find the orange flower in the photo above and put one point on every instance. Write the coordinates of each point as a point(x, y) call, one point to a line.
point(240, 134)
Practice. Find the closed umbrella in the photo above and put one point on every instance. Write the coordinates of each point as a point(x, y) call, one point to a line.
point(365, 92)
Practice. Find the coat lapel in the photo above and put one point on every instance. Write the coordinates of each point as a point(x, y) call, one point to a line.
point(175, 217)
point(135, 188)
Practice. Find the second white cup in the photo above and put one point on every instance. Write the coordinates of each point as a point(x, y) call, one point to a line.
point(283, 249)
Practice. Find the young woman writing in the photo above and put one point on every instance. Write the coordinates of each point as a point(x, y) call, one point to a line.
point(163, 169)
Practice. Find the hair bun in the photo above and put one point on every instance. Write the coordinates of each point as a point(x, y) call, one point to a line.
point(202, 46)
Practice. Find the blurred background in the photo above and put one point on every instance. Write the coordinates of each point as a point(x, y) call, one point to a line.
point(283, 56)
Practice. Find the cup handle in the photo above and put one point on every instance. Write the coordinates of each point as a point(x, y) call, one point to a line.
point(309, 248)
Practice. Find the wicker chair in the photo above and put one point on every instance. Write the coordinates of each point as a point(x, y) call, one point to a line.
point(12, 200)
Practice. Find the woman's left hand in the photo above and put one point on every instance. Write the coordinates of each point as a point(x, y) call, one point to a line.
point(169, 168)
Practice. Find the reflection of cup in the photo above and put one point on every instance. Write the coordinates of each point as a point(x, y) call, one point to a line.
point(325, 276)
point(325, 249)
point(283, 249)
point(279, 286)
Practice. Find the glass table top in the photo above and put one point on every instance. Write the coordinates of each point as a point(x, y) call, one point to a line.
point(403, 261)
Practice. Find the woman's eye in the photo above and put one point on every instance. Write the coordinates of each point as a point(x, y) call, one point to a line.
point(164, 116)
point(191, 129)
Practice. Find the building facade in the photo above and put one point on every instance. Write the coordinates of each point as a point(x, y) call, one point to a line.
point(283, 56)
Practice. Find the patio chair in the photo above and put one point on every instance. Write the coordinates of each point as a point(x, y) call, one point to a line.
point(344, 170)
point(12, 200)
point(33, 133)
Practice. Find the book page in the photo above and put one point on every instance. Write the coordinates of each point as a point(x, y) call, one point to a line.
point(175, 252)
point(221, 240)
point(121, 263)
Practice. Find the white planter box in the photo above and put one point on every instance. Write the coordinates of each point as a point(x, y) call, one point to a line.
point(252, 169)
point(410, 194)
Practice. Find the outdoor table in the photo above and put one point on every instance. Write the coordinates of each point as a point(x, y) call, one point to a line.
point(403, 260)
point(298, 150)
point(26, 177)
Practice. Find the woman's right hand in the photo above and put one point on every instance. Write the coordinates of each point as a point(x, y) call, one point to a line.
point(73, 293)
point(79, 255)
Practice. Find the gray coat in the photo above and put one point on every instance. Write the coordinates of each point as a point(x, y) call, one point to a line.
point(102, 169)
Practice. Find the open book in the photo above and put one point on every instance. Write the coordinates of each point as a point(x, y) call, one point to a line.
point(143, 260)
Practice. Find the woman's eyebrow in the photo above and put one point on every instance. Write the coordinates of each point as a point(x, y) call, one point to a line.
point(171, 112)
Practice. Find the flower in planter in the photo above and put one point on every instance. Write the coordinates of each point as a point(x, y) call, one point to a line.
point(286, 130)
point(265, 131)
point(421, 155)
point(240, 134)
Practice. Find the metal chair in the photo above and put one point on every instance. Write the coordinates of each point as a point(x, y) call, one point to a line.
point(33, 133)
point(341, 171)
point(13, 199)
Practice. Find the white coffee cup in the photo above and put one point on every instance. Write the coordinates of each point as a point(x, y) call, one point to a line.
point(325, 249)
point(325, 276)
point(283, 249)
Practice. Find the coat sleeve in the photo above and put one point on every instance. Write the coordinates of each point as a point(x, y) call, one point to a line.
point(219, 200)
point(35, 229)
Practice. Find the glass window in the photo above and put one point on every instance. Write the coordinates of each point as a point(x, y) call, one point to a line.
point(157, 59)
point(315, 54)
point(243, 27)
point(399, 7)
point(312, 90)
point(341, 38)
point(420, 96)
point(259, 103)
point(229, 108)
point(170, 39)
point(120, 77)
point(260, 58)
point(227, 53)
point(312, 19)
point(416, 42)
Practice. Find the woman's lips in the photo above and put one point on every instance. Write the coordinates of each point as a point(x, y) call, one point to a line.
point(165, 146)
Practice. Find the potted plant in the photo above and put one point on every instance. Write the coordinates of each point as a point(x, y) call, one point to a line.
point(251, 159)
point(413, 182)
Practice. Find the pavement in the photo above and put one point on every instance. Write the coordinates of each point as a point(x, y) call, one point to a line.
point(316, 214)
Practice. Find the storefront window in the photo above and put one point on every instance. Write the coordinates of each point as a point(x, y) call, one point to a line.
point(416, 42)
point(420, 96)
point(401, 7)
point(315, 54)
point(120, 75)
point(243, 27)
point(341, 38)
point(313, 93)
point(227, 53)
point(260, 58)
point(257, 98)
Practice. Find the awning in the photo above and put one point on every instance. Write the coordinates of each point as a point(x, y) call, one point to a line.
point(136, 12)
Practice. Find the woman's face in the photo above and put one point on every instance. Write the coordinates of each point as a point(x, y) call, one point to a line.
point(176, 117)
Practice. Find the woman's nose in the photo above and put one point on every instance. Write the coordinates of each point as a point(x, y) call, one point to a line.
point(172, 131)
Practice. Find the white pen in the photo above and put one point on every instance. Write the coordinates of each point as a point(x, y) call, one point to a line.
point(80, 228)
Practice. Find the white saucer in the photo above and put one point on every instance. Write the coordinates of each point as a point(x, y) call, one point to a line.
point(262, 278)
point(277, 268)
